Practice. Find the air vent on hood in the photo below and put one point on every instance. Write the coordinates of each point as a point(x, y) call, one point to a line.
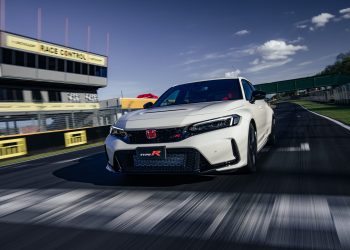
point(168, 110)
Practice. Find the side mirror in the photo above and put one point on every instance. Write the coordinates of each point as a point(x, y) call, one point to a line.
point(257, 95)
point(147, 105)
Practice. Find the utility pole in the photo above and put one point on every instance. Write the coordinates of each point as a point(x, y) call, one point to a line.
point(2, 14)
point(66, 30)
point(88, 38)
point(39, 24)
point(107, 44)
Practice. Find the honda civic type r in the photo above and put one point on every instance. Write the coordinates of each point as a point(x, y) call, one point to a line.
point(199, 127)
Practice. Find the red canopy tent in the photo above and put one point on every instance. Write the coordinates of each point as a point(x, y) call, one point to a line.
point(149, 95)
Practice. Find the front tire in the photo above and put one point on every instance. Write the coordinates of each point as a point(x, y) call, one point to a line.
point(272, 137)
point(252, 150)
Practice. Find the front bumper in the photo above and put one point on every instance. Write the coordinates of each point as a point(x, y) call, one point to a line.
point(218, 150)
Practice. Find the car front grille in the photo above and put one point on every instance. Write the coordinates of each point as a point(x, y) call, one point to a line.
point(177, 161)
point(163, 136)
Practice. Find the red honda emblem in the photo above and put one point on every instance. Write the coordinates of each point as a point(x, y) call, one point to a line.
point(151, 133)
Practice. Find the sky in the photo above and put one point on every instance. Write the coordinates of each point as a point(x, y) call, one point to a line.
point(155, 44)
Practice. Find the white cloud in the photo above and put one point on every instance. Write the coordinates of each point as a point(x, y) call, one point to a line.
point(274, 53)
point(268, 64)
point(345, 12)
point(242, 32)
point(322, 19)
point(301, 26)
point(231, 54)
point(186, 53)
point(278, 50)
point(297, 40)
point(255, 62)
point(233, 74)
point(305, 63)
point(216, 73)
point(207, 57)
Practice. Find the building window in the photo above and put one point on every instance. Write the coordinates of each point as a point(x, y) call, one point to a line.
point(52, 63)
point(97, 71)
point(19, 57)
point(42, 62)
point(70, 67)
point(7, 56)
point(8, 94)
point(60, 65)
point(77, 68)
point(73, 97)
point(55, 96)
point(36, 96)
point(91, 70)
point(84, 68)
point(91, 98)
point(103, 71)
point(31, 60)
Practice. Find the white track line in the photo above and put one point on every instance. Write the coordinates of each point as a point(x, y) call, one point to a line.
point(304, 147)
point(328, 118)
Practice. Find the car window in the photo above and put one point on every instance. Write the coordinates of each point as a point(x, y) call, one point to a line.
point(205, 91)
point(248, 90)
point(171, 99)
point(251, 86)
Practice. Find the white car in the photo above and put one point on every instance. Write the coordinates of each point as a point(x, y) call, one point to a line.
point(199, 127)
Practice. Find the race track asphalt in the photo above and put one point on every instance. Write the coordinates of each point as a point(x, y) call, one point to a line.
point(298, 199)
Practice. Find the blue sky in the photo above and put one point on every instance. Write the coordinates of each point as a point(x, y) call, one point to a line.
point(155, 44)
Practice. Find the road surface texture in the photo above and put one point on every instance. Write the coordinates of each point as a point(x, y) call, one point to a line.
point(298, 199)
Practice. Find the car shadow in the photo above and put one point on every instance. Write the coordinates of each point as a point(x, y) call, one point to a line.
point(92, 170)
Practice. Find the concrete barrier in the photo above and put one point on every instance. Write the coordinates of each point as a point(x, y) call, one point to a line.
point(12, 148)
point(338, 95)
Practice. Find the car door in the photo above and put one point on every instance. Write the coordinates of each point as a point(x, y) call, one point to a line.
point(257, 109)
point(263, 107)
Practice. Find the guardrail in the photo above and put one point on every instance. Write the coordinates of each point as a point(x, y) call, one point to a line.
point(29, 144)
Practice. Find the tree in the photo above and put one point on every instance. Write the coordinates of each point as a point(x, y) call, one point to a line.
point(341, 65)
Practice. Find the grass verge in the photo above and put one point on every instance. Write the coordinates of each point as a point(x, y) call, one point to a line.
point(337, 112)
point(47, 154)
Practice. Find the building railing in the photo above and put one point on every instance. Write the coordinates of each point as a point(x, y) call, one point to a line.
point(43, 121)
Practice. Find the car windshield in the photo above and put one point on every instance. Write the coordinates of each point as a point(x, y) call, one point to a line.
point(205, 91)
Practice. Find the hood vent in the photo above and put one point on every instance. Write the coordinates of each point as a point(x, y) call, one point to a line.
point(159, 111)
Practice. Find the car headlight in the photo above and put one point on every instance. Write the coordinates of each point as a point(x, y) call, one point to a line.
point(118, 132)
point(214, 124)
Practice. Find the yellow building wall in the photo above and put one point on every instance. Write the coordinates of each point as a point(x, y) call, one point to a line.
point(134, 103)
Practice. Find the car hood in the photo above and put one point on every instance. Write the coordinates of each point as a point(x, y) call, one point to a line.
point(177, 115)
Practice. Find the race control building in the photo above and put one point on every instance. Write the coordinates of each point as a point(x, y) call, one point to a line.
point(46, 86)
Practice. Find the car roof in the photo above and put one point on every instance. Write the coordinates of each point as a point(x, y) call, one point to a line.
point(213, 79)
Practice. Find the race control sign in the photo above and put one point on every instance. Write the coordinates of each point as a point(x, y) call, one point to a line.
point(31, 45)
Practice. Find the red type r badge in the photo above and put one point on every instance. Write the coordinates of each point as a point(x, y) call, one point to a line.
point(154, 153)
